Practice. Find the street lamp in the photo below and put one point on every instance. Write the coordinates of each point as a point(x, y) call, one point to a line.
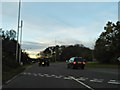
point(20, 42)
point(18, 30)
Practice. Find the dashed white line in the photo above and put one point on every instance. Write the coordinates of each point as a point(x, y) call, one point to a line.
point(82, 78)
point(57, 77)
point(29, 73)
point(53, 75)
point(96, 80)
point(35, 74)
point(82, 83)
point(46, 74)
point(114, 82)
point(67, 78)
point(41, 75)
point(24, 73)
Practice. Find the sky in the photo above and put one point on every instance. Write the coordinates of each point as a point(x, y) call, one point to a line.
point(58, 23)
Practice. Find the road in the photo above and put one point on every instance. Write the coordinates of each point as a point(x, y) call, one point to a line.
point(57, 75)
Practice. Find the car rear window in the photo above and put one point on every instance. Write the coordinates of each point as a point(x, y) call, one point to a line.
point(79, 59)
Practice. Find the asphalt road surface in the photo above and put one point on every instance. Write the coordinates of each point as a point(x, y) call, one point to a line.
point(57, 75)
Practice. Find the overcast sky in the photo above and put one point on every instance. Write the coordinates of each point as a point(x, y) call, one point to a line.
point(64, 22)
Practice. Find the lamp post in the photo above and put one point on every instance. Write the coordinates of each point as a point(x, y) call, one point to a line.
point(18, 30)
point(20, 42)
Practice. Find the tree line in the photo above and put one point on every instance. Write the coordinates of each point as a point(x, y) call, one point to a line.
point(64, 52)
point(106, 49)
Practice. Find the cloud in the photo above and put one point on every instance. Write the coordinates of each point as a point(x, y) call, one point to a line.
point(33, 46)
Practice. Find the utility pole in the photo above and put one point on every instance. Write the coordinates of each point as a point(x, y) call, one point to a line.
point(18, 31)
point(20, 42)
point(55, 49)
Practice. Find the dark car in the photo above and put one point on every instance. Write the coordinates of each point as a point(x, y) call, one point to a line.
point(76, 62)
point(44, 62)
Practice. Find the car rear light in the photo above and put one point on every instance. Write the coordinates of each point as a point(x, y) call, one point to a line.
point(84, 63)
point(74, 62)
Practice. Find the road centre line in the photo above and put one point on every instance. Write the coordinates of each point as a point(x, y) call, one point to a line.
point(96, 80)
point(25, 73)
point(29, 73)
point(114, 82)
point(82, 78)
point(35, 74)
point(40, 74)
point(53, 75)
point(67, 78)
point(46, 74)
point(81, 83)
point(71, 77)
point(57, 77)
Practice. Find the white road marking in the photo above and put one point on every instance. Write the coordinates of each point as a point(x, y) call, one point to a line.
point(81, 83)
point(41, 75)
point(59, 76)
point(114, 82)
point(48, 76)
point(45, 74)
point(25, 73)
point(29, 73)
point(96, 80)
point(53, 75)
point(71, 77)
point(82, 78)
point(35, 74)
point(67, 78)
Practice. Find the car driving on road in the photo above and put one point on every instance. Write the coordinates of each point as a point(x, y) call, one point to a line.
point(44, 62)
point(76, 62)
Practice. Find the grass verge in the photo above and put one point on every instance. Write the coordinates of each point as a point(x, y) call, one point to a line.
point(99, 65)
point(13, 72)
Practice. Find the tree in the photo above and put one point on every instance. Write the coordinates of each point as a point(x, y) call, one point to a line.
point(9, 34)
point(12, 34)
point(107, 45)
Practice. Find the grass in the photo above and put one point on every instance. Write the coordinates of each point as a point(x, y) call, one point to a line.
point(13, 72)
point(99, 65)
